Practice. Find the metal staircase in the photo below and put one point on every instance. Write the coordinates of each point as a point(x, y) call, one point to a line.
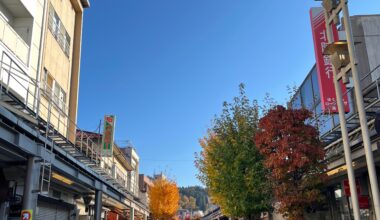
point(52, 123)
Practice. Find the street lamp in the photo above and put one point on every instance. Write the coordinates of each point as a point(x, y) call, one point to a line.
point(339, 55)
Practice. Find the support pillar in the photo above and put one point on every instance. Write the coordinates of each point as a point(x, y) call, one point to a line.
point(362, 113)
point(132, 214)
point(145, 217)
point(98, 204)
point(30, 196)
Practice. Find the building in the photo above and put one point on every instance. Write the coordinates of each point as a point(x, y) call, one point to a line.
point(48, 166)
point(366, 31)
point(133, 174)
point(145, 182)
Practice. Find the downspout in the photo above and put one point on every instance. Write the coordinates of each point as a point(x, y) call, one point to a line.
point(37, 90)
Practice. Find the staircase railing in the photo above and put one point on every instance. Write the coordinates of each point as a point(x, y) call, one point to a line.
point(42, 111)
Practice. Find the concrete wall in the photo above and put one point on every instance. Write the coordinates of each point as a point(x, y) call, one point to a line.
point(366, 31)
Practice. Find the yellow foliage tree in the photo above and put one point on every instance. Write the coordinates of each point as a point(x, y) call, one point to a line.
point(164, 199)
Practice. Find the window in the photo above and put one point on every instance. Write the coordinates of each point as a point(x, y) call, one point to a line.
point(314, 79)
point(59, 31)
point(47, 83)
point(297, 101)
point(307, 94)
point(53, 90)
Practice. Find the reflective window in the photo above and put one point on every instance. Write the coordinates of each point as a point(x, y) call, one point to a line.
point(297, 104)
point(314, 79)
point(307, 94)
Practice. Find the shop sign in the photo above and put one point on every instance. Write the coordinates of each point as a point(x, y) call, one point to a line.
point(364, 202)
point(108, 135)
point(324, 65)
point(346, 187)
point(27, 214)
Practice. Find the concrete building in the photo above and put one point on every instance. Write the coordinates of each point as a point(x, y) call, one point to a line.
point(145, 182)
point(366, 31)
point(48, 166)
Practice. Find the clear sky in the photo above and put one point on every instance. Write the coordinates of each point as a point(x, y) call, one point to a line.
point(164, 67)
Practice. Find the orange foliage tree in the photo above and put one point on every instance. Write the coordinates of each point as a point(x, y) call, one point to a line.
point(164, 199)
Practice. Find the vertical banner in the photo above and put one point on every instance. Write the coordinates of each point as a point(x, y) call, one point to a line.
point(108, 135)
point(324, 65)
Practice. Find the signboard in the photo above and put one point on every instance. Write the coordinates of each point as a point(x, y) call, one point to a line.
point(108, 135)
point(346, 187)
point(324, 66)
point(27, 214)
point(364, 202)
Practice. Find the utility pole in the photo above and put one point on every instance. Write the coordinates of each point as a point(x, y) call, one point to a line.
point(335, 9)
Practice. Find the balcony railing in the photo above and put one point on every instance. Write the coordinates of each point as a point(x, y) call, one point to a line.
point(371, 93)
point(13, 41)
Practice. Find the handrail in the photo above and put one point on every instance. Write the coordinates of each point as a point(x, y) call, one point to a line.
point(59, 119)
point(371, 86)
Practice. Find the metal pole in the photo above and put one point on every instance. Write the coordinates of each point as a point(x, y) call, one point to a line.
point(98, 204)
point(361, 111)
point(346, 142)
point(132, 214)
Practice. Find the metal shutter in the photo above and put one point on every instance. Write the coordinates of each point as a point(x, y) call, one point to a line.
point(48, 211)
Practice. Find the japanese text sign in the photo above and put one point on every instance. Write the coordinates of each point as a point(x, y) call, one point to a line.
point(108, 135)
point(324, 65)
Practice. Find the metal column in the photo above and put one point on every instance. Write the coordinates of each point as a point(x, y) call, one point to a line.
point(362, 113)
point(343, 126)
point(132, 214)
point(98, 204)
point(31, 185)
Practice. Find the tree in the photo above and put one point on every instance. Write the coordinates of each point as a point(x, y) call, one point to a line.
point(230, 165)
point(294, 156)
point(192, 203)
point(164, 199)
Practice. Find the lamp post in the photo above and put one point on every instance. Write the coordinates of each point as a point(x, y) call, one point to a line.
point(333, 7)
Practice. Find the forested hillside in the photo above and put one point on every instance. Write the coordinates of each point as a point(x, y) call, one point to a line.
point(193, 197)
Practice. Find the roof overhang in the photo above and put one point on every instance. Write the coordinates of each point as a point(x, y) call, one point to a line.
point(85, 3)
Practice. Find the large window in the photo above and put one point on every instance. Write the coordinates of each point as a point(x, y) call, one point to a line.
point(307, 94)
point(59, 31)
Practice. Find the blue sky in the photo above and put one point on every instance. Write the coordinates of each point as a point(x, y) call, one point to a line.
point(164, 67)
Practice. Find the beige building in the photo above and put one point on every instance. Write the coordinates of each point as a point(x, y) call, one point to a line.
point(41, 47)
point(47, 164)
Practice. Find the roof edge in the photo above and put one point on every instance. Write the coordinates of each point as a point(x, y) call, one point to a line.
point(85, 3)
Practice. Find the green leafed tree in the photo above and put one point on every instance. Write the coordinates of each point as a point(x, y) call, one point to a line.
point(230, 165)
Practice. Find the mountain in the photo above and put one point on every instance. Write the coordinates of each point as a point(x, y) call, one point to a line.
point(198, 193)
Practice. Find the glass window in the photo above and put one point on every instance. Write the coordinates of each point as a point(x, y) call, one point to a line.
point(315, 83)
point(296, 104)
point(307, 94)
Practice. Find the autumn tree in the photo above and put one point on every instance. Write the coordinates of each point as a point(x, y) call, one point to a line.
point(164, 199)
point(294, 155)
point(230, 165)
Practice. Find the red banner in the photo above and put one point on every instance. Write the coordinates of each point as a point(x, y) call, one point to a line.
point(346, 187)
point(324, 66)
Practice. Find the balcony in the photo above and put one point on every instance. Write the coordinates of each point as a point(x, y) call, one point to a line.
point(16, 28)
